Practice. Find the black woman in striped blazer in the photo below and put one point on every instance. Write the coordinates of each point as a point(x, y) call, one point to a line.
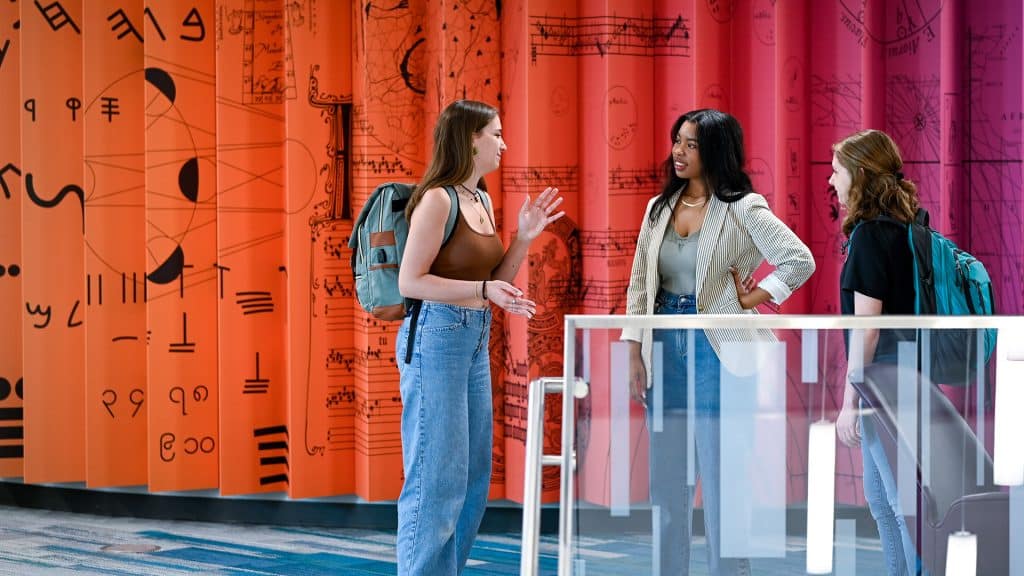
point(700, 240)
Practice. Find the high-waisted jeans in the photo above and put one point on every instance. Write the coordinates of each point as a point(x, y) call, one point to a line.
point(671, 495)
point(883, 500)
point(446, 437)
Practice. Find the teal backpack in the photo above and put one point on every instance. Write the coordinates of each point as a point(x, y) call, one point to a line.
point(377, 242)
point(950, 282)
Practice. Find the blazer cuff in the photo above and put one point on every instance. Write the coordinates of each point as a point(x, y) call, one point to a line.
point(777, 288)
point(632, 334)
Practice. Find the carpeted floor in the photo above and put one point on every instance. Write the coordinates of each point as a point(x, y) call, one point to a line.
point(42, 542)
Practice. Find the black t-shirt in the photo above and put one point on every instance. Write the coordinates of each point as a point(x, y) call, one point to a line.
point(879, 264)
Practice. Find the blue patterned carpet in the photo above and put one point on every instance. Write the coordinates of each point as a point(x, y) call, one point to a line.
point(51, 543)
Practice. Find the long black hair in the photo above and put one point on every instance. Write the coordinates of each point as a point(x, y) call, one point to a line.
point(720, 144)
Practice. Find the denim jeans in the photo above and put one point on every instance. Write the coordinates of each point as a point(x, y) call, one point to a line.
point(446, 437)
point(671, 495)
point(883, 500)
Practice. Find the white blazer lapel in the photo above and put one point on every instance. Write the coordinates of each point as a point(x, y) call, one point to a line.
point(709, 232)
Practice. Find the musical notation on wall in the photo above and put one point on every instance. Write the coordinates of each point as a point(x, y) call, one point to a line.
point(608, 35)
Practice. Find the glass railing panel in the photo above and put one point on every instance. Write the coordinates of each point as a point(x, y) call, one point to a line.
point(714, 477)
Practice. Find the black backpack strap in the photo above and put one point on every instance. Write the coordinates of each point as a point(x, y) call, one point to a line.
point(415, 305)
point(414, 310)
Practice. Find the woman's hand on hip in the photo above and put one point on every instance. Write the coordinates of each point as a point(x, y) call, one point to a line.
point(744, 289)
point(509, 298)
point(535, 216)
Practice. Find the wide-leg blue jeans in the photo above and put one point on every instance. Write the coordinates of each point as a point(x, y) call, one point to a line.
point(446, 437)
point(671, 495)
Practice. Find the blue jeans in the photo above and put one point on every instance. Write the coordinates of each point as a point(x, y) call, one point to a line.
point(883, 500)
point(671, 495)
point(446, 437)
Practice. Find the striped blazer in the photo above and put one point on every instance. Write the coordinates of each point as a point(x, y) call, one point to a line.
point(741, 234)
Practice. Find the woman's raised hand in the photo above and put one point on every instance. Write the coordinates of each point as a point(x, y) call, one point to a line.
point(535, 216)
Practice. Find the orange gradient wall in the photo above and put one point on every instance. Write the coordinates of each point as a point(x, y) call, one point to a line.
point(176, 300)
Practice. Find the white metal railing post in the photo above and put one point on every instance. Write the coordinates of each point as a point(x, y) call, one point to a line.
point(529, 560)
point(567, 497)
point(536, 460)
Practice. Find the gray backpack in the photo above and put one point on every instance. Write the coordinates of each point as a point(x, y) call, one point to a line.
point(377, 242)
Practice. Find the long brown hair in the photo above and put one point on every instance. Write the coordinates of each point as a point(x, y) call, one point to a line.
point(877, 183)
point(452, 160)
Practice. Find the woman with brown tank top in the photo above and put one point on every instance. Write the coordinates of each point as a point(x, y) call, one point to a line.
point(446, 387)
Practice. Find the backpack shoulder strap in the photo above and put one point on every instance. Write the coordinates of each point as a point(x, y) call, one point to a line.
point(453, 214)
point(353, 241)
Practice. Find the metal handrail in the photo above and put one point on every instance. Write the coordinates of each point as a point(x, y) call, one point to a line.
point(536, 460)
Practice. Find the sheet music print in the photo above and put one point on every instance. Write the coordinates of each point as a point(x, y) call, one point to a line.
point(609, 35)
point(993, 164)
point(615, 246)
point(533, 179)
point(268, 72)
point(633, 181)
point(331, 294)
point(382, 409)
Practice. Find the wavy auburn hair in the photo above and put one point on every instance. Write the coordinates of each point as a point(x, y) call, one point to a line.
point(877, 184)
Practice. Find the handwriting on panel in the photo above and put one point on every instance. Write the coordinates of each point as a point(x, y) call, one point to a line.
point(178, 395)
point(190, 445)
point(136, 397)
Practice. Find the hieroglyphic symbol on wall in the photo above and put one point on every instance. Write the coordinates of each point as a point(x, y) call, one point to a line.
point(12, 426)
point(30, 190)
point(272, 448)
point(56, 15)
point(171, 265)
point(3, 178)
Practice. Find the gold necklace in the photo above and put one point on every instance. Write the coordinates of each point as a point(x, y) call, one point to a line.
point(693, 205)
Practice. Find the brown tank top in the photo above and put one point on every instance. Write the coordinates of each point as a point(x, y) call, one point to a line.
point(468, 255)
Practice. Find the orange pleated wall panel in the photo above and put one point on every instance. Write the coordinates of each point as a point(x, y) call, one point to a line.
point(115, 232)
point(181, 245)
point(540, 99)
point(12, 433)
point(620, 147)
point(463, 39)
point(321, 350)
point(253, 81)
point(388, 84)
point(52, 235)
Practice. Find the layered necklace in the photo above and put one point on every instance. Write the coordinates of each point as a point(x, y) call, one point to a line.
point(692, 204)
point(474, 195)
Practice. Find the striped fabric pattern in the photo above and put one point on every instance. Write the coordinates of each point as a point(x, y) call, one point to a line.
point(743, 234)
